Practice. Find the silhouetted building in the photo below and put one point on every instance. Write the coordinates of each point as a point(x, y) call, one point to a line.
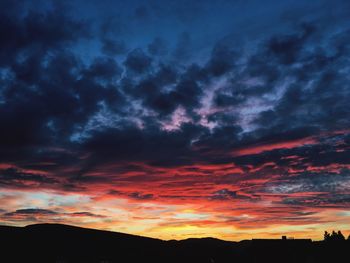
point(284, 239)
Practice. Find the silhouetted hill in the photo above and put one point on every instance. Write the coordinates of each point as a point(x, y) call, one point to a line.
point(63, 243)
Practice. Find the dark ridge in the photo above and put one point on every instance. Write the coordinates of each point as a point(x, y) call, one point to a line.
point(63, 243)
point(62, 228)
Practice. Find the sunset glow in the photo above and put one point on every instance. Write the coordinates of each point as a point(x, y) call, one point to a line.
point(171, 122)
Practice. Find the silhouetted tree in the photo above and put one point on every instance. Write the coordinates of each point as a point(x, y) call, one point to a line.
point(335, 236)
point(340, 236)
point(326, 236)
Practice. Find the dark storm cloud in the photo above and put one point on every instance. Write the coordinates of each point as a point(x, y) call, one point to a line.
point(49, 112)
point(45, 86)
point(12, 177)
point(137, 61)
point(288, 48)
point(321, 154)
point(319, 82)
point(140, 196)
point(32, 41)
point(38, 214)
point(321, 200)
point(35, 31)
point(223, 59)
point(133, 195)
point(225, 194)
point(30, 211)
point(155, 94)
point(86, 214)
point(132, 144)
point(269, 66)
point(334, 183)
point(28, 214)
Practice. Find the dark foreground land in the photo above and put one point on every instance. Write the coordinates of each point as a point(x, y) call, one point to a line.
point(62, 243)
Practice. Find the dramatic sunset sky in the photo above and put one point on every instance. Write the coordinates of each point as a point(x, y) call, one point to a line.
point(176, 119)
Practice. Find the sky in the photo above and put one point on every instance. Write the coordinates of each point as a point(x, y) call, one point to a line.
point(176, 119)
